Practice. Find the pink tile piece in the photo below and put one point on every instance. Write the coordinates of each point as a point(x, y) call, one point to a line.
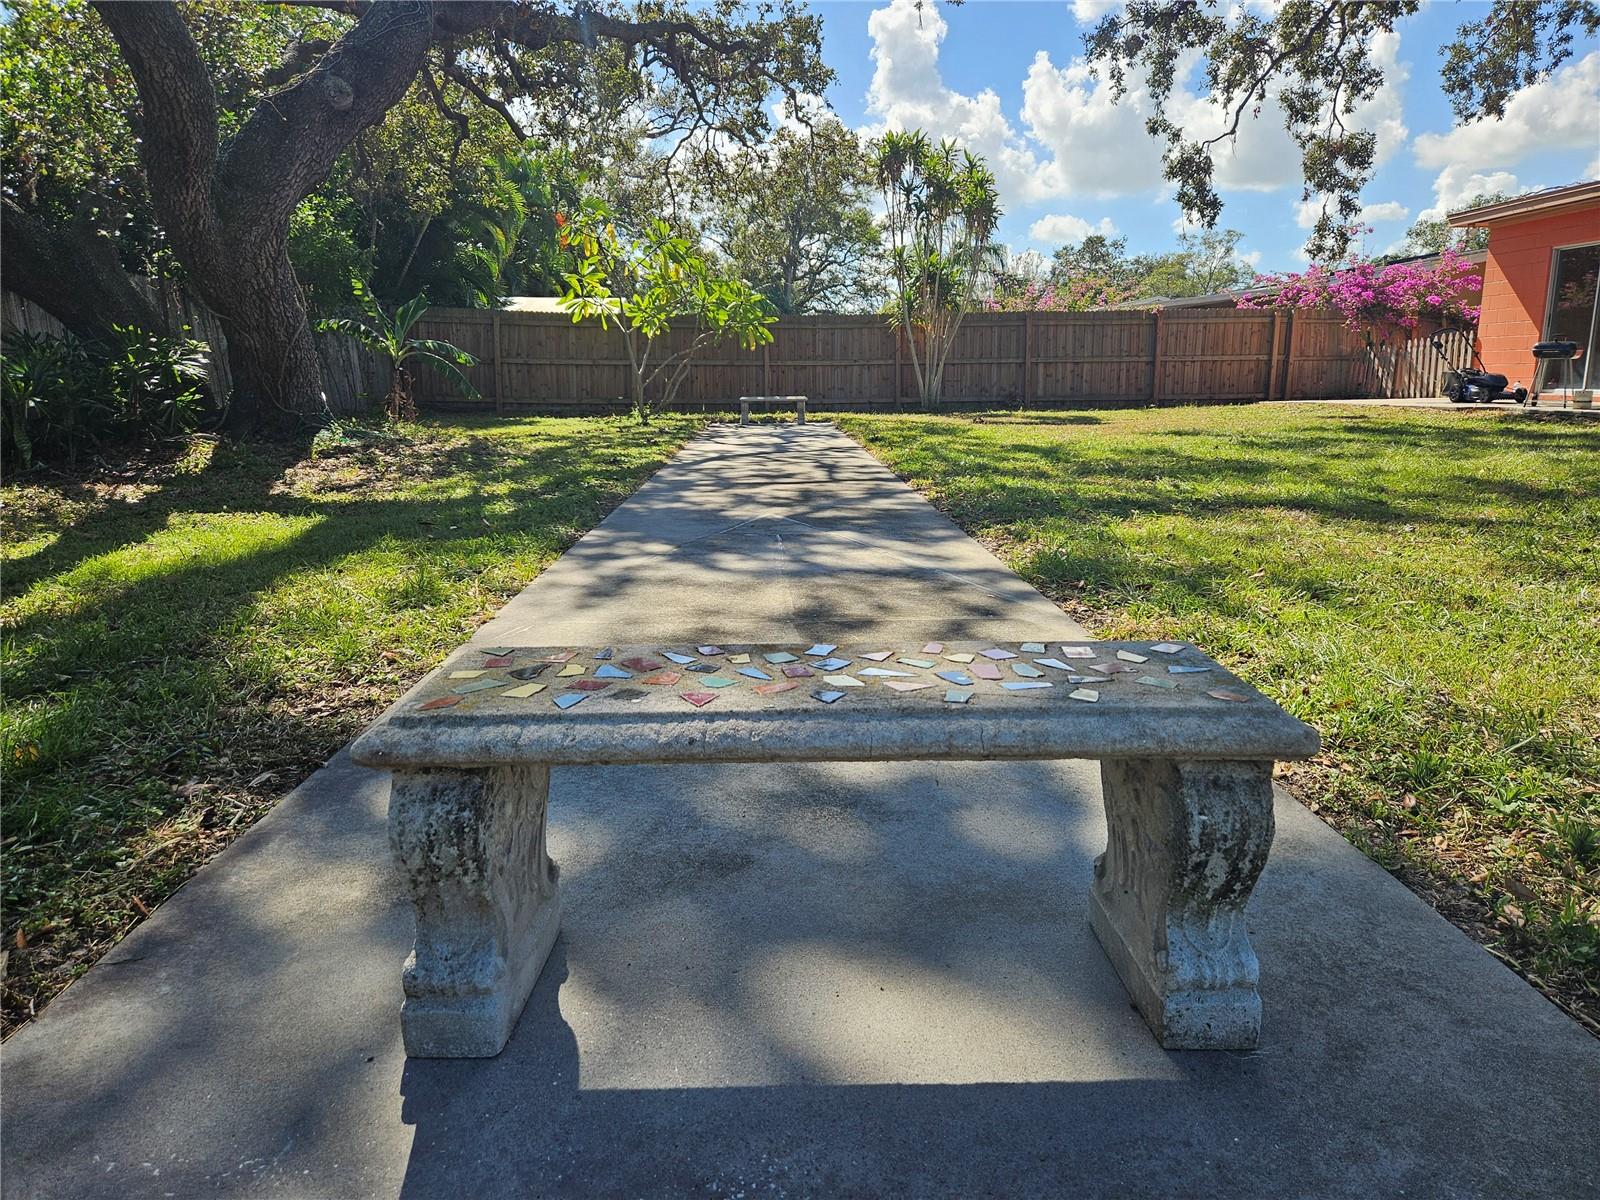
point(984, 670)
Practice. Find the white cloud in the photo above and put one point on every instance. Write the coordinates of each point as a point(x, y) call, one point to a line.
point(1252, 259)
point(1387, 210)
point(1074, 141)
point(1456, 186)
point(1557, 114)
point(1089, 12)
point(1058, 228)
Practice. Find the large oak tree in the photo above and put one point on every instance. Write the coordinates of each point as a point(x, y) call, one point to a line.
point(224, 200)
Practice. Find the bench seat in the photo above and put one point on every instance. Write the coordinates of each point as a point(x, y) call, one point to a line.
point(1186, 761)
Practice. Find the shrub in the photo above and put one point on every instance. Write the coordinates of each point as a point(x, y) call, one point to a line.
point(62, 394)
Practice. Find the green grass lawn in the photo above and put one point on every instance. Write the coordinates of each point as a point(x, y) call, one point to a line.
point(188, 636)
point(1424, 588)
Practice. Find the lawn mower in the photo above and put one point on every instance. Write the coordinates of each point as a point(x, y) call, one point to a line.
point(1474, 385)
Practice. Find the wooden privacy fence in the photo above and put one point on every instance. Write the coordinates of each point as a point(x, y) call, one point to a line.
point(542, 360)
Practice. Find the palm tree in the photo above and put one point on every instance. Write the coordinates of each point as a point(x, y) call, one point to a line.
point(389, 334)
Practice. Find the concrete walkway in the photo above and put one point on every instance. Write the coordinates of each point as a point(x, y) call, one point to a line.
point(829, 980)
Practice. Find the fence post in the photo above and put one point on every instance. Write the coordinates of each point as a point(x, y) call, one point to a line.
point(766, 369)
point(1027, 358)
point(1155, 361)
point(1288, 359)
point(499, 387)
point(1272, 355)
point(895, 328)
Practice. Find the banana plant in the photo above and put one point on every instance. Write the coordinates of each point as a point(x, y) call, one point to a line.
point(389, 334)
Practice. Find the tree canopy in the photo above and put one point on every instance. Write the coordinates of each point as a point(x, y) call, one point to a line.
point(1317, 58)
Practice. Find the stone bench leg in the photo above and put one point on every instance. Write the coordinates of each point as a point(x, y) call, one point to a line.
point(800, 412)
point(471, 847)
point(1187, 841)
point(744, 412)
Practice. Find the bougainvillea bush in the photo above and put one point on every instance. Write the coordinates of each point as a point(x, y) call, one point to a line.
point(1071, 295)
point(1374, 295)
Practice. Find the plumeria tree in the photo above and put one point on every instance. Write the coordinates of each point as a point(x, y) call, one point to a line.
point(942, 207)
point(647, 288)
point(1379, 296)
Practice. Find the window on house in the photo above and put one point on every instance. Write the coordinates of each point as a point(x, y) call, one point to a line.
point(1574, 309)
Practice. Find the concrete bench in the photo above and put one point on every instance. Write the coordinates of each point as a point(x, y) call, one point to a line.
point(1186, 766)
point(798, 403)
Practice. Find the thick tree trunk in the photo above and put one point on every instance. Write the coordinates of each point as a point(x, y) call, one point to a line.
point(73, 274)
point(277, 376)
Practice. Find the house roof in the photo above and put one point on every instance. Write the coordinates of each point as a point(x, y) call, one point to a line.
point(1533, 204)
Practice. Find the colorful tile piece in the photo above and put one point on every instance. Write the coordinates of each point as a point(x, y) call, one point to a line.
point(779, 657)
point(1027, 670)
point(985, 670)
point(604, 655)
point(627, 694)
point(961, 658)
point(1109, 668)
point(661, 678)
point(842, 681)
point(1167, 647)
point(709, 650)
point(607, 671)
point(699, 699)
point(883, 673)
point(878, 655)
point(1130, 656)
point(530, 672)
point(1032, 647)
point(680, 659)
point(738, 658)
point(837, 664)
point(755, 673)
point(568, 699)
point(570, 670)
point(827, 697)
point(1186, 670)
point(997, 654)
point(1155, 681)
point(497, 651)
point(822, 649)
point(924, 663)
point(641, 664)
point(523, 691)
point(560, 656)
point(438, 702)
point(903, 685)
point(1056, 663)
point(1233, 694)
point(1077, 651)
point(957, 696)
point(477, 685)
point(500, 660)
point(717, 681)
point(1025, 685)
point(703, 668)
point(1087, 695)
point(956, 677)
point(465, 674)
point(588, 685)
point(933, 648)
point(772, 689)
point(1087, 679)
point(798, 671)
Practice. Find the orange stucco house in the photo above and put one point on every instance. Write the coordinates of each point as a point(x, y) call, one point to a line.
point(1539, 280)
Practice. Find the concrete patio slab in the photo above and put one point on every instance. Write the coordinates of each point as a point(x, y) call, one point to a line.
point(825, 980)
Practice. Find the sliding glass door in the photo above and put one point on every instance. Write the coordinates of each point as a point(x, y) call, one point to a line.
point(1573, 311)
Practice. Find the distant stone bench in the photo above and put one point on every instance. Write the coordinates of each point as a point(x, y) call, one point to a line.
point(1186, 753)
point(798, 403)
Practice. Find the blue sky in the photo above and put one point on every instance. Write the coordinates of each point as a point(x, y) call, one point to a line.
point(1005, 77)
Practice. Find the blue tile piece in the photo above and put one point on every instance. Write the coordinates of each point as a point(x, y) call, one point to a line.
point(609, 672)
point(602, 655)
point(956, 677)
point(956, 696)
point(755, 673)
point(1186, 670)
point(568, 699)
point(827, 697)
point(1024, 685)
point(832, 664)
point(703, 667)
point(822, 648)
point(680, 659)
point(779, 657)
